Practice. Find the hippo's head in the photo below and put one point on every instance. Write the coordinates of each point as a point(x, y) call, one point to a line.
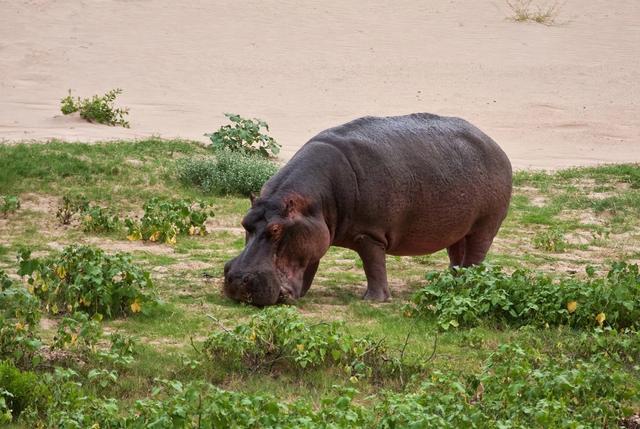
point(285, 237)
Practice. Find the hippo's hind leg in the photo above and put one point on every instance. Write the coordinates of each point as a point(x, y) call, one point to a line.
point(477, 243)
point(373, 255)
point(456, 253)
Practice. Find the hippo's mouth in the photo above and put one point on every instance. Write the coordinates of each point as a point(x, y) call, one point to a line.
point(286, 296)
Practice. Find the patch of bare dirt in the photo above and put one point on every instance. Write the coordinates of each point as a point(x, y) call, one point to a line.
point(535, 197)
point(131, 246)
point(39, 203)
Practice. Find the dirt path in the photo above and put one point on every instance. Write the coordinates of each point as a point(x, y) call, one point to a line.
point(551, 96)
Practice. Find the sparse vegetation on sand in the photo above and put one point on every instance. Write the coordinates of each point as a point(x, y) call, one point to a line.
point(528, 10)
point(188, 357)
point(98, 109)
point(245, 136)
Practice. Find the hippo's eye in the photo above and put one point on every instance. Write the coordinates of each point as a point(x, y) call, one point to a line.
point(275, 231)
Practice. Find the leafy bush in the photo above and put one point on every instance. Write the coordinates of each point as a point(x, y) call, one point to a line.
point(98, 219)
point(19, 317)
point(278, 336)
point(551, 240)
point(84, 278)
point(164, 220)
point(468, 296)
point(97, 109)
point(244, 136)
point(229, 174)
point(519, 388)
point(21, 389)
point(78, 331)
point(93, 218)
point(9, 204)
point(71, 205)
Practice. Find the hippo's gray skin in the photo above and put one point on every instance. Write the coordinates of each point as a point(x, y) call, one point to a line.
point(403, 185)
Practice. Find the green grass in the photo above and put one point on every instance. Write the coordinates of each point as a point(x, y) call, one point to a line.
point(596, 208)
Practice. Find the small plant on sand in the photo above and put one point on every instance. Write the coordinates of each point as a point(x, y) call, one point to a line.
point(230, 173)
point(164, 220)
point(9, 204)
point(84, 278)
point(551, 240)
point(244, 136)
point(97, 108)
point(524, 10)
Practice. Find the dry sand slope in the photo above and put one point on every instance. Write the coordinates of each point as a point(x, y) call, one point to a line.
point(553, 96)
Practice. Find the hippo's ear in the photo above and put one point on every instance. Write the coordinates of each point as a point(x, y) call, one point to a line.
point(295, 204)
point(253, 197)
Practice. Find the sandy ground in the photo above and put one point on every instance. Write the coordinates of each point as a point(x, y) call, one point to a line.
point(552, 96)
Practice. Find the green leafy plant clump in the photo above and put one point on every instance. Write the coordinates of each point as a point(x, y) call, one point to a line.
point(245, 136)
point(19, 317)
point(517, 388)
point(229, 173)
point(84, 278)
point(92, 217)
point(551, 240)
point(164, 220)
point(98, 109)
point(280, 337)
point(9, 204)
point(471, 296)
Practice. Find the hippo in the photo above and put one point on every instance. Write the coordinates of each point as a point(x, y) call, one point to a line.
point(400, 185)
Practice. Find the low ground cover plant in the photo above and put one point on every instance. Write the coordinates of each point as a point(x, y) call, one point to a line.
point(517, 387)
point(98, 109)
point(19, 317)
point(228, 173)
point(9, 204)
point(86, 279)
point(71, 205)
point(245, 136)
point(470, 296)
point(280, 337)
point(164, 220)
point(20, 390)
point(550, 240)
point(93, 218)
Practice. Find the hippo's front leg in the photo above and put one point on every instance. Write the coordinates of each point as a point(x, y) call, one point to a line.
point(373, 255)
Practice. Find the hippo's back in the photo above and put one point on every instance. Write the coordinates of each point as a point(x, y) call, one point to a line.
point(420, 175)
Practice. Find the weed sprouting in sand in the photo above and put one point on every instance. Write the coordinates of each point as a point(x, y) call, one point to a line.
point(525, 10)
point(98, 109)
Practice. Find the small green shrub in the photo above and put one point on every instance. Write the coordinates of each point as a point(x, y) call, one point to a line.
point(21, 390)
point(470, 296)
point(244, 136)
point(229, 174)
point(164, 220)
point(99, 220)
point(93, 218)
point(551, 240)
point(9, 204)
point(281, 337)
point(19, 317)
point(71, 205)
point(78, 331)
point(84, 278)
point(97, 108)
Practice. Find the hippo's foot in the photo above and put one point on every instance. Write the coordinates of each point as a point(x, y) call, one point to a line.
point(380, 295)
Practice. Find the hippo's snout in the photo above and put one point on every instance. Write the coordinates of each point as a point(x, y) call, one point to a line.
point(259, 287)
